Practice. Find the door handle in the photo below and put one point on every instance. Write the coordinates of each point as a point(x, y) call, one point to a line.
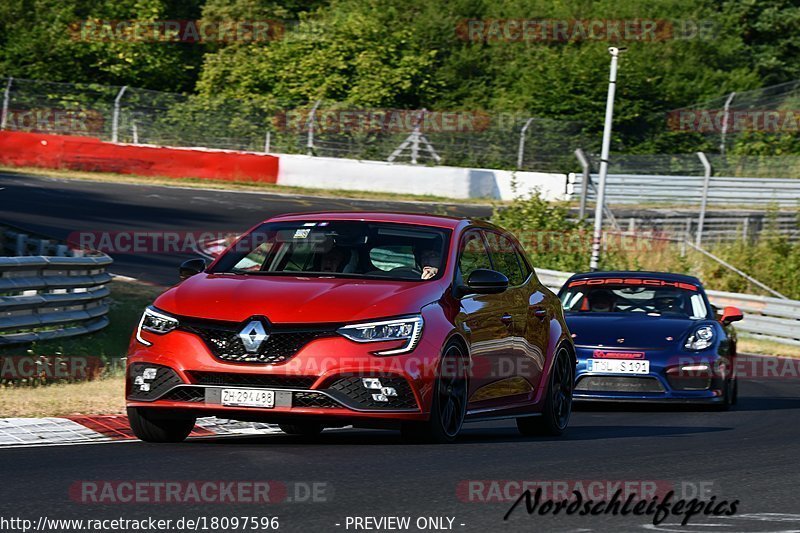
point(539, 312)
point(506, 319)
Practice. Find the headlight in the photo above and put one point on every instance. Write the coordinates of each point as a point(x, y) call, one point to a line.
point(701, 339)
point(409, 328)
point(154, 321)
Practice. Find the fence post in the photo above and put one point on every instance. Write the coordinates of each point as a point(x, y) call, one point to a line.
point(135, 132)
point(266, 142)
point(584, 161)
point(115, 118)
point(597, 236)
point(310, 126)
point(6, 99)
point(725, 110)
point(704, 201)
point(522, 143)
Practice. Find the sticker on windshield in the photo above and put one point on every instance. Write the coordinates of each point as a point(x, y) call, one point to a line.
point(302, 233)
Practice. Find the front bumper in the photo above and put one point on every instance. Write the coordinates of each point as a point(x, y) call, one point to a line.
point(665, 383)
point(321, 381)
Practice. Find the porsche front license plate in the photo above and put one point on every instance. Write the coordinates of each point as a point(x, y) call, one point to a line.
point(248, 398)
point(617, 366)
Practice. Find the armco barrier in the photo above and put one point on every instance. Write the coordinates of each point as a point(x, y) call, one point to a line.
point(49, 294)
point(768, 318)
point(49, 297)
point(90, 154)
point(683, 190)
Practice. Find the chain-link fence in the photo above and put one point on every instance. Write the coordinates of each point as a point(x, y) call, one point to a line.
point(334, 129)
point(734, 126)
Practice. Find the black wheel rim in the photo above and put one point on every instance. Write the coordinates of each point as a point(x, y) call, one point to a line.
point(561, 390)
point(452, 392)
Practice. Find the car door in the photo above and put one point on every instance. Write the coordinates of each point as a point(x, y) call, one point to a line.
point(486, 318)
point(526, 328)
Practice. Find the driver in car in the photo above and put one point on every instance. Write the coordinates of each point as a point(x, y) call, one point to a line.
point(430, 260)
point(601, 301)
point(333, 261)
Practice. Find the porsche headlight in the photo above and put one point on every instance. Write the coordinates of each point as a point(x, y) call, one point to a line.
point(700, 339)
point(408, 329)
point(155, 321)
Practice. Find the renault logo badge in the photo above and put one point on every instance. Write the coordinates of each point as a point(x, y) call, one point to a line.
point(252, 335)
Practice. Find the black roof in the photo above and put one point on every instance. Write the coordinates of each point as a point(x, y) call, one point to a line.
point(666, 276)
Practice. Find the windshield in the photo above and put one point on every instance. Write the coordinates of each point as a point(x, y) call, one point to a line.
point(680, 300)
point(339, 249)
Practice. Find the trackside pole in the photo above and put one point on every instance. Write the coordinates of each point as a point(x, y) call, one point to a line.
point(601, 188)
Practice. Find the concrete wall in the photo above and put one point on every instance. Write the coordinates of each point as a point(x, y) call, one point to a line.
point(447, 182)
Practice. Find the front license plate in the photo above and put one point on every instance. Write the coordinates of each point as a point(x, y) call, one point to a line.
point(248, 398)
point(616, 366)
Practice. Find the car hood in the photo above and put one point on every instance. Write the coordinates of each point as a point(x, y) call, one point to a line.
point(288, 299)
point(638, 331)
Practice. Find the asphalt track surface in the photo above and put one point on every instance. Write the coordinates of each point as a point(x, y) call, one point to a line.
point(60, 208)
point(749, 454)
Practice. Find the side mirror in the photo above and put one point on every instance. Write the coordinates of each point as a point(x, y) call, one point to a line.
point(731, 314)
point(484, 281)
point(191, 267)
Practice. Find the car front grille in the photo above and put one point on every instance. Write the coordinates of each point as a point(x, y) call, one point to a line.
point(185, 394)
point(314, 400)
point(689, 382)
point(282, 344)
point(618, 384)
point(351, 391)
point(252, 380)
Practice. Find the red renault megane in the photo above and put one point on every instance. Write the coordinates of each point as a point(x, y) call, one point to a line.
point(323, 320)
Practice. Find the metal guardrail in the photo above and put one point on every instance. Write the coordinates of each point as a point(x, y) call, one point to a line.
point(723, 191)
point(768, 318)
point(46, 297)
point(716, 228)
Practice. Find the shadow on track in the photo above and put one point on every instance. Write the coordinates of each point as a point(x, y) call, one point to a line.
point(475, 435)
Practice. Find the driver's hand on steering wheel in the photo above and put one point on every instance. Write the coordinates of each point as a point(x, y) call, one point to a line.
point(428, 272)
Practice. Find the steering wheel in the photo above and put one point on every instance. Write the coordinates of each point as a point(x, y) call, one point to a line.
point(404, 269)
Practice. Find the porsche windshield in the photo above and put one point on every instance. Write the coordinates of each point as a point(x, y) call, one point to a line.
point(339, 249)
point(651, 300)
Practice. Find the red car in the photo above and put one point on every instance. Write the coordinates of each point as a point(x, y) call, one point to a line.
point(380, 320)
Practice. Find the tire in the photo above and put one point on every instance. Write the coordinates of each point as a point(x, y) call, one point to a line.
point(449, 406)
point(558, 404)
point(151, 426)
point(305, 429)
point(731, 396)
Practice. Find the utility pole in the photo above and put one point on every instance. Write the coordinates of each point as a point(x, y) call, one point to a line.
point(601, 189)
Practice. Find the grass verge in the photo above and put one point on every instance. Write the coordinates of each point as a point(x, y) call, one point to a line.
point(237, 186)
point(748, 344)
point(105, 396)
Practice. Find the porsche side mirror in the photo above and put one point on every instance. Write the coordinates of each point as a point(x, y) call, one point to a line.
point(731, 314)
point(191, 267)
